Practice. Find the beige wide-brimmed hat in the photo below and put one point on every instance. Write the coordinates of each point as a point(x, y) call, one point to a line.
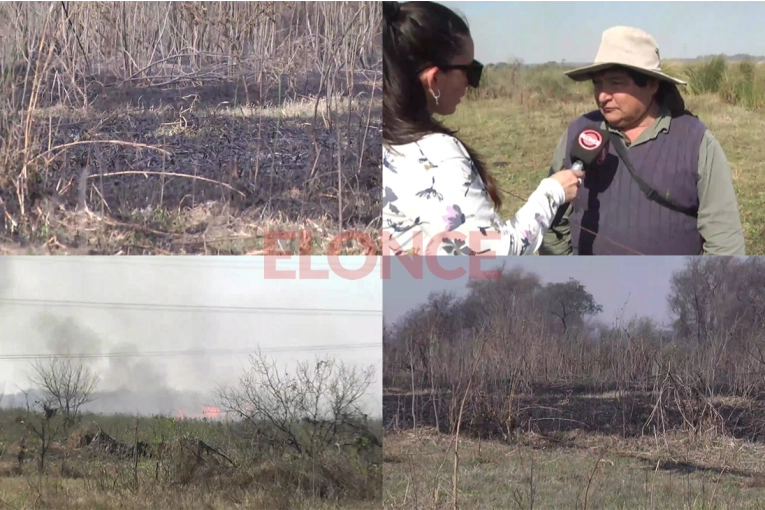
point(628, 47)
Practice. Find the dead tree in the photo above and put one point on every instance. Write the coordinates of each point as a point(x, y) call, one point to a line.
point(67, 383)
point(44, 425)
point(22, 455)
point(50, 412)
point(303, 411)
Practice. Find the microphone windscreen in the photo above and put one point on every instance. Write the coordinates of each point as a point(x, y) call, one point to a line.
point(588, 145)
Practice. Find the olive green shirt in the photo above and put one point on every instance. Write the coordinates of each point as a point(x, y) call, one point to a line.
point(718, 216)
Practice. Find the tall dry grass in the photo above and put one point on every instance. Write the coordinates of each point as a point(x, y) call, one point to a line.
point(738, 83)
point(76, 55)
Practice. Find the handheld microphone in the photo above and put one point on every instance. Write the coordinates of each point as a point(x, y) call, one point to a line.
point(589, 147)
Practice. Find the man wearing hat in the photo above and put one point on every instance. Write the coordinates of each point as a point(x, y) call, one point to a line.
point(665, 186)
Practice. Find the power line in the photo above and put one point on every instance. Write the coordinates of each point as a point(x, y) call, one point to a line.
point(192, 352)
point(179, 262)
point(189, 308)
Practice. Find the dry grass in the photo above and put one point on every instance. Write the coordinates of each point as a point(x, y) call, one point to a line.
point(559, 472)
point(188, 128)
point(85, 477)
point(518, 115)
point(52, 492)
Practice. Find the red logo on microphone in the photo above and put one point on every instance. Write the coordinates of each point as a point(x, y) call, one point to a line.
point(590, 140)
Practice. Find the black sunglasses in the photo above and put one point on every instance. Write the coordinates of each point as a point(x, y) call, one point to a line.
point(473, 71)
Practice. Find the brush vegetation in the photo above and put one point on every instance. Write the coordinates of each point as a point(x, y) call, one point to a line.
point(273, 440)
point(513, 397)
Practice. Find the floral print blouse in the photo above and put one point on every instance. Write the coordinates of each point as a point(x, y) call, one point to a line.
point(432, 192)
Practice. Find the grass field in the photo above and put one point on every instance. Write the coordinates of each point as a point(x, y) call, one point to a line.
point(572, 450)
point(177, 473)
point(518, 115)
point(190, 128)
point(573, 471)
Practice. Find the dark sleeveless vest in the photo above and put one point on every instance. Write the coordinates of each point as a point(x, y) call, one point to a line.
point(612, 205)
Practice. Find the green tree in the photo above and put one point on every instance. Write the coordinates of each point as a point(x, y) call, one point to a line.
point(569, 303)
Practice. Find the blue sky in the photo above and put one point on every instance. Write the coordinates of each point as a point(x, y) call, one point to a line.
point(184, 281)
point(539, 32)
point(624, 286)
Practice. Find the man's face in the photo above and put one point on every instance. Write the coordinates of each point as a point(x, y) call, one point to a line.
point(619, 99)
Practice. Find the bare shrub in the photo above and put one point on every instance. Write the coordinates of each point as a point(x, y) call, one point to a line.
point(68, 384)
point(311, 416)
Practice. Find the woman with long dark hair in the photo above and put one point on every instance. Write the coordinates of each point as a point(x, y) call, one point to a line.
point(438, 196)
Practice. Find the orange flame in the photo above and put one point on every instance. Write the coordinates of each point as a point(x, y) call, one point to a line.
point(209, 412)
point(212, 412)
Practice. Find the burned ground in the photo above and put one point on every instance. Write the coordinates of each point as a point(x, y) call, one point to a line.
point(177, 171)
point(189, 150)
point(551, 411)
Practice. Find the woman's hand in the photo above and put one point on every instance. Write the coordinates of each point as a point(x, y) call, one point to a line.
point(571, 180)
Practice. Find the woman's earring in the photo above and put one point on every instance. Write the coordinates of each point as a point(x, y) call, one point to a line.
point(436, 97)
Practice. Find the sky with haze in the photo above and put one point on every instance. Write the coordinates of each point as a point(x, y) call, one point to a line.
point(209, 344)
point(624, 286)
point(539, 32)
